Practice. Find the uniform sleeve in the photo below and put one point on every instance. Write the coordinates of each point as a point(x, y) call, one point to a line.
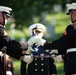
point(1, 32)
point(63, 41)
point(14, 48)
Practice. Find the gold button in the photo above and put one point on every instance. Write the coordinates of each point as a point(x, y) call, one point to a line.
point(41, 58)
point(42, 69)
point(42, 64)
point(35, 69)
point(35, 58)
point(35, 63)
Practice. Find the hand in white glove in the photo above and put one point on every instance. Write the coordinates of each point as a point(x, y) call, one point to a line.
point(33, 40)
point(41, 42)
point(54, 52)
point(30, 50)
point(58, 58)
point(1, 54)
point(28, 59)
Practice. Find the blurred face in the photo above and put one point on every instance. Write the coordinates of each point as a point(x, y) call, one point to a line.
point(73, 16)
point(3, 18)
point(39, 33)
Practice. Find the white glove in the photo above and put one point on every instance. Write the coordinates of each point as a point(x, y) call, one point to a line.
point(54, 51)
point(8, 73)
point(30, 50)
point(28, 59)
point(41, 42)
point(1, 54)
point(58, 58)
point(33, 40)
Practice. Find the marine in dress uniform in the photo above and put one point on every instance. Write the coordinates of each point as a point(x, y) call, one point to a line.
point(41, 63)
point(66, 43)
point(14, 48)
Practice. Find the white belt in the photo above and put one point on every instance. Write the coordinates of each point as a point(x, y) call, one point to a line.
point(71, 50)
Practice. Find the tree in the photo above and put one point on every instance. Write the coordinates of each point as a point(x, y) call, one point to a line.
point(25, 10)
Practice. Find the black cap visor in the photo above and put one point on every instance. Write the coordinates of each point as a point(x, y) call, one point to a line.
point(7, 14)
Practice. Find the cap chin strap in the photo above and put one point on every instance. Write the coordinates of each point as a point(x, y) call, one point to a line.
point(3, 19)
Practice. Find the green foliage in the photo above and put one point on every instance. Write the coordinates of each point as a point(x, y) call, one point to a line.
point(25, 10)
point(62, 20)
point(60, 68)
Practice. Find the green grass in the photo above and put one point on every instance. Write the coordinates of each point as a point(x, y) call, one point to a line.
point(17, 67)
point(60, 68)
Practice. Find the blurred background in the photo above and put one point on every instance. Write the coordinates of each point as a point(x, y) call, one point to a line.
point(52, 13)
